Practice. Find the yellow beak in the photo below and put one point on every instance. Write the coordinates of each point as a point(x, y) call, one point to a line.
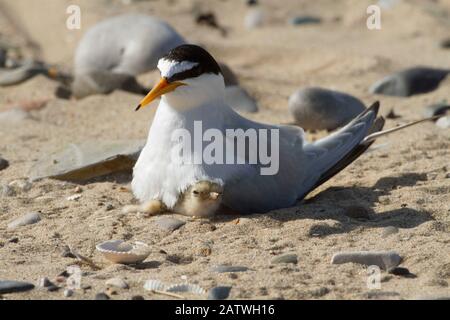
point(161, 88)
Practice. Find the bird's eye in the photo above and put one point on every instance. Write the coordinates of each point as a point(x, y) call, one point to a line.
point(195, 192)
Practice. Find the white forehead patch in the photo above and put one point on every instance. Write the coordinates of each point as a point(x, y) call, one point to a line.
point(168, 67)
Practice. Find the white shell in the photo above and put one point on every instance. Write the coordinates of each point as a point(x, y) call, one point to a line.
point(154, 285)
point(119, 251)
point(186, 287)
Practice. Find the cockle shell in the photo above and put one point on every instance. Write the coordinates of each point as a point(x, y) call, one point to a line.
point(186, 287)
point(154, 285)
point(119, 251)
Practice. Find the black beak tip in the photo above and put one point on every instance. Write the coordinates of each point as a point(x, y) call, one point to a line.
point(137, 108)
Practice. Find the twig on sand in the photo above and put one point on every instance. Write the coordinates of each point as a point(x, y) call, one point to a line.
point(169, 294)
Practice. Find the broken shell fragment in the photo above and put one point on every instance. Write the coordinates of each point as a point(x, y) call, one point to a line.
point(154, 285)
point(186, 287)
point(119, 251)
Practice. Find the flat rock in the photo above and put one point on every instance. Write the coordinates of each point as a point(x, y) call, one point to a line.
point(224, 269)
point(239, 99)
point(219, 293)
point(286, 258)
point(78, 162)
point(29, 218)
point(9, 286)
point(322, 109)
point(383, 259)
point(409, 82)
point(117, 282)
point(3, 163)
point(169, 223)
point(436, 109)
point(443, 122)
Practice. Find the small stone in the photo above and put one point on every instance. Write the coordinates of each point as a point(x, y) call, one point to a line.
point(286, 258)
point(137, 298)
point(78, 189)
point(109, 207)
point(13, 116)
point(3, 164)
point(9, 286)
point(390, 230)
point(321, 109)
point(357, 212)
point(52, 288)
point(74, 197)
point(399, 271)
point(117, 282)
point(219, 293)
point(101, 296)
point(29, 218)
point(382, 259)
point(111, 291)
point(237, 98)
point(68, 293)
point(44, 282)
point(443, 122)
point(319, 292)
point(299, 20)
point(409, 82)
point(224, 269)
point(254, 19)
point(13, 240)
point(169, 224)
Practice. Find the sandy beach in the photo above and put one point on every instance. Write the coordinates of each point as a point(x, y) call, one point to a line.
point(403, 181)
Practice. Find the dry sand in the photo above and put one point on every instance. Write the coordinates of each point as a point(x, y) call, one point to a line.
point(404, 184)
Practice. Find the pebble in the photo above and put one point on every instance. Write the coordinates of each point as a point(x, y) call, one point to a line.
point(13, 240)
point(169, 224)
point(224, 269)
point(240, 100)
point(219, 293)
point(299, 20)
point(109, 207)
point(68, 293)
point(117, 282)
point(286, 258)
point(410, 82)
point(321, 109)
point(357, 212)
point(73, 197)
point(101, 296)
point(9, 286)
point(390, 230)
point(29, 218)
point(436, 109)
point(137, 298)
point(254, 18)
point(400, 271)
point(382, 259)
point(44, 282)
point(3, 164)
point(443, 122)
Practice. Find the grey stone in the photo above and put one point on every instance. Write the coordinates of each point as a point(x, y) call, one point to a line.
point(301, 20)
point(219, 293)
point(3, 164)
point(239, 99)
point(390, 230)
point(117, 282)
point(10, 286)
point(169, 224)
point(410, 82)
point(68, 293)
point(383, 259)
point(321, 109)
point(29, 218)
point(101, 296)
point(79, 162)
point(224, 269)
point(400, 271)
point(286, 258)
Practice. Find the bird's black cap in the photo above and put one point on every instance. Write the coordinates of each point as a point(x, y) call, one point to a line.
point(192, 53)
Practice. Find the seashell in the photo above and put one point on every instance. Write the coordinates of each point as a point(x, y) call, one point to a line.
point(186, 287)
point(154, 285)
point(118, 251)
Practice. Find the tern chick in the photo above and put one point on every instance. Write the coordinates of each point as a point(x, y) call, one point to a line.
point(201, 199)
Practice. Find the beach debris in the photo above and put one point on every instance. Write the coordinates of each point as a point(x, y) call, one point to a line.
point(29, 218)
point(239, 99)
point(390, 230)
point(383, 259)
point(321, 109)
point(219, 293)
point(117, 47)
point(302, 20)
point(11, 286)
point(169, 223)
point(44, 283)
point(80, 162)
point(73, 197)
point(118, 251)
point(209, 19)
point(3, 164)
point(154, 285)
point(254, 18)
point(436, 109)
point(68, 293)
point(101, 296)
point(357, 212)
point(285, 258)
point(117, 283)
point(13, 116)
point(400, 271)
point(228, 75)
point(410, 82)
point(84, 260)
point(224, 269)
point(443, 122)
